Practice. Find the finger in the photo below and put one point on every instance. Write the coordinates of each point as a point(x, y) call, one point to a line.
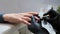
point(24, 21)
point(34, 13)
point(37, 18)
point(25, 14)
point(26, 18)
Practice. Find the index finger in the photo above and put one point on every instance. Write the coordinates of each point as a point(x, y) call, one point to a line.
point(34, 13)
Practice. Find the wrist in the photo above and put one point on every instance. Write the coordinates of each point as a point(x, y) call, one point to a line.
point(5, 17)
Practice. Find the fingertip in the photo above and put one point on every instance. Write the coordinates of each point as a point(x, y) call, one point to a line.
point(37, 18)
point(26, 22)
point(29, 23)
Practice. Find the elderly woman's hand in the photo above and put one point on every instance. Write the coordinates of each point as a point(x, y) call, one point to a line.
point(20, 17)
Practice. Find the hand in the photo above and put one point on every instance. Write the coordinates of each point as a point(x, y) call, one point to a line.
point(20, 17)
